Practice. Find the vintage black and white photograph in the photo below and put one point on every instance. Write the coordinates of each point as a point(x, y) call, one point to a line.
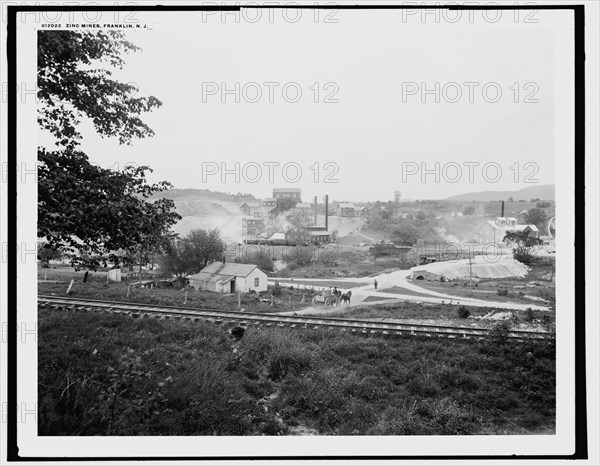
point(304, 230)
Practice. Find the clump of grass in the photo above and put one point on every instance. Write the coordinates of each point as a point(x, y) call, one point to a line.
point(275, 354)
point(499, 333)
point(462, 312)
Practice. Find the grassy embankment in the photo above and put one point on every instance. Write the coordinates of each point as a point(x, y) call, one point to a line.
point(447, 314)
point(105, 374)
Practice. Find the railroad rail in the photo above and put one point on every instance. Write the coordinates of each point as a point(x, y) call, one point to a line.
point(301, 322)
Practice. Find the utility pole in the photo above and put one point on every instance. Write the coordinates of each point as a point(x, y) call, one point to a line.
point(470, 275)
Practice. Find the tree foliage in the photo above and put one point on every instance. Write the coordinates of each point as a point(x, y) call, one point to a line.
point(73, 81)
point(468, 210)
point(190, 254)
point(47, 253)
point(299, 223)
point(524, 246)
point(537, 217)
point(91, 212)
point(285, 204)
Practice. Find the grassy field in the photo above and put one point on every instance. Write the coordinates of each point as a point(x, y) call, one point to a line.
point(97, 288)
point(105, 374)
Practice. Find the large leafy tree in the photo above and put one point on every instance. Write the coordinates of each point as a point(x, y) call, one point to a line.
point(83, 208)
point(75, 81)
point(524, 247)
point(193, 252)
point(537, 217)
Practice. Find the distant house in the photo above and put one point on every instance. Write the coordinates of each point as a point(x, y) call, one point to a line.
point(363, 211)
point(287, 193)
point(302, 208)
point(269, 202)
point(346, 210)
point(266, 213)
point(252, 226)
point(278, 239)
point(319, 236)
point(248, 207)
point(495, 230)
point(306, 206)
point(229, 277)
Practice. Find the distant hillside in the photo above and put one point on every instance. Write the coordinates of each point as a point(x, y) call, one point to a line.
point(544, 192)
point(203, 202)
point(204, 195)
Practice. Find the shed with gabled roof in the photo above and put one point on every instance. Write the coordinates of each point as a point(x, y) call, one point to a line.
point(230, 277)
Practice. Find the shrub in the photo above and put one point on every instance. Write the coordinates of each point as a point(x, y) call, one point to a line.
point(499, 332)
point(275, 354)
point(463, 312)
point(502, 292)
point(528, 315)
point(276, 290)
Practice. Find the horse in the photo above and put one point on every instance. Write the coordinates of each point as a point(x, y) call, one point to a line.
point(346, 297)
point(336, 296)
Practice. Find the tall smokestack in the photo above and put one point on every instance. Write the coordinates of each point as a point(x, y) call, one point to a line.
point(502, 212)
point(326, 212)
point(315, 210)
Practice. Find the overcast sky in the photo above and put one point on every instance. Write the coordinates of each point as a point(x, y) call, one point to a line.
point(379, 120)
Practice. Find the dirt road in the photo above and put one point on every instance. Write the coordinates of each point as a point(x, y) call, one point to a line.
point(403, 290)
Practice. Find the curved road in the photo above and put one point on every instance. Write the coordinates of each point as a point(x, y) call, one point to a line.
point(397, 279)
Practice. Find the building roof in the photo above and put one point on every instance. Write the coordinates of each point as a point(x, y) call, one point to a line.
point(346, 205)
point(286, 190)
point(211, 278)
point(318, 233)
point(251, 204)
point(304, 205)
point(228, 268)
point(272, 199)
point(523, 227)
point(278, 236)
point(264, 209)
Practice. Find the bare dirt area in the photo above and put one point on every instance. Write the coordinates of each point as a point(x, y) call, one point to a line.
point(538, 287)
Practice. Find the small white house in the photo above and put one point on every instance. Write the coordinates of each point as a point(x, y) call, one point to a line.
point(229, 277)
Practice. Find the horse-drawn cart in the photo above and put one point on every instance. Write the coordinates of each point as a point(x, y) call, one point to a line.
point(325, 297)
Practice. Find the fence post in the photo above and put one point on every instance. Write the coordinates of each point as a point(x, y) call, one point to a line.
point(70, 286)
point(185, 299)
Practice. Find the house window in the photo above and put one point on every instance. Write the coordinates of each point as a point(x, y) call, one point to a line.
point(256, 282)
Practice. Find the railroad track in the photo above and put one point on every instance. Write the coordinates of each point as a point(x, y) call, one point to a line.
point(271, 320)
